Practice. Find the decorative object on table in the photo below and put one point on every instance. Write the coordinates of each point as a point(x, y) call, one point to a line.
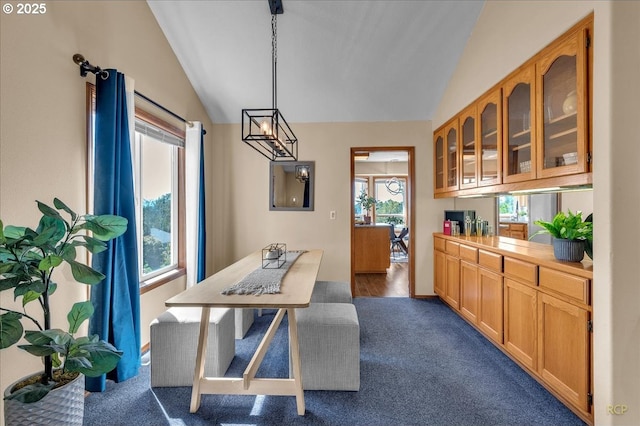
point(274, 255)
point(570, 234)
point(263, 280)
point(366, 202)
point(28, 258)
point(265, 129)
point(467, 226)
point(570, 103)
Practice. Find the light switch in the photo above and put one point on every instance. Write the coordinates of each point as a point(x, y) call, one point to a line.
point(332, 214)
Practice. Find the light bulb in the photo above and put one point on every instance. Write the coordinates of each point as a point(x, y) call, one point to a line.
point(265, 127)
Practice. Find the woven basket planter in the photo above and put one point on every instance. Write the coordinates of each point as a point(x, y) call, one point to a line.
point(61, 406)
point(568, 250)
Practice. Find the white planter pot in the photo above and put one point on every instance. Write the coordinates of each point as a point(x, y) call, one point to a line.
point(61, 406)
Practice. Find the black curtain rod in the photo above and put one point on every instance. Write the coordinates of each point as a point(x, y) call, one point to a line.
point(86, 67)
point(171, 113)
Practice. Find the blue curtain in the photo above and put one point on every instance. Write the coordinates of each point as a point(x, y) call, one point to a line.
point(117, 298)
point(202, 234)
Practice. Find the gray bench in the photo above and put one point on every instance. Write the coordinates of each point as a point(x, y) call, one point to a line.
point(331, 292)
point(329, 342)
point(174, 343)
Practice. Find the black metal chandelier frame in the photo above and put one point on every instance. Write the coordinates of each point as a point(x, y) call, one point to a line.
point(265, 129)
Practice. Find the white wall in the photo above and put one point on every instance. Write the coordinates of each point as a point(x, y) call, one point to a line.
point(508, 33)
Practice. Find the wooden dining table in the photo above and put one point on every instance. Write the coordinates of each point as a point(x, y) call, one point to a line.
point(295, 292)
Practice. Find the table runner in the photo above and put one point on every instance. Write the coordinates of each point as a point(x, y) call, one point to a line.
point(264, 280)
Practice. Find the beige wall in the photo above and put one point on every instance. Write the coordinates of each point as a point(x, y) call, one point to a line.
point(328, 144)
point(42, 129)
point(506, 34)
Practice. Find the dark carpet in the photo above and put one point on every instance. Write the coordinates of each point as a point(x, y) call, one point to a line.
point(420, 365)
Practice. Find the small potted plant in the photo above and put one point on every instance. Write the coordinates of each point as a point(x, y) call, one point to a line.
point(366, 203)
point(28, 258)
point(570, 234)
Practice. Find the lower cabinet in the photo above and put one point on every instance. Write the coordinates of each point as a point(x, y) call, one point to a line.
point(538, 315)
point(563, 354)
point(439, 283)
point(452, 280)
point(469, 291)
point(490, 315)
point(521, 322)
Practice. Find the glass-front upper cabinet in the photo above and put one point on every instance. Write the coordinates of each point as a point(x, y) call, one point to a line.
point(562, 108)
point(468, 136)
point(438, 159)
point(451, 155)
point(519, 161)
point(490, 148)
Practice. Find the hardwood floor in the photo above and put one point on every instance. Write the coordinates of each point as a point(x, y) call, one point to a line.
point(395, 283)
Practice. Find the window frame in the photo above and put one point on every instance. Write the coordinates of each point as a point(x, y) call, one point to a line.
point(179, 269)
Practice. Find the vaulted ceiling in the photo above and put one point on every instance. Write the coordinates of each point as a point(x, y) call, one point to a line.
point(338, 61)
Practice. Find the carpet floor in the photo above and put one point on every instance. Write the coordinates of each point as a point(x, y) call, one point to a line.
point(420, 365)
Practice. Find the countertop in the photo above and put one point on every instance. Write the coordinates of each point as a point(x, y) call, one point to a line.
point(526, 251)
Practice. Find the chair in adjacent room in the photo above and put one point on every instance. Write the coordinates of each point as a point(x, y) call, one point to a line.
point(397, 242)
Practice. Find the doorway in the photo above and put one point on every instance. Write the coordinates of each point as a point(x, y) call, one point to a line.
point(382, 266)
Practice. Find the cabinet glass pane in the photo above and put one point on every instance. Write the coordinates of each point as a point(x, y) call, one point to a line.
point(489, 142)
point(519, 130)
point(439, 162)
point(560, 129)
point(452, 155)
point(468, 151)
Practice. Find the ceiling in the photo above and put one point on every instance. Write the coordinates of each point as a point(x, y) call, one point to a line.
point(337, 61)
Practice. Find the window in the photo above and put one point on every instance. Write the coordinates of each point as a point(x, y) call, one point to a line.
point(158, 162)
point(391, 206)
point(360, 184)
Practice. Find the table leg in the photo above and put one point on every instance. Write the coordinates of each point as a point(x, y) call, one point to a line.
point(201, 355)
point(295, 360)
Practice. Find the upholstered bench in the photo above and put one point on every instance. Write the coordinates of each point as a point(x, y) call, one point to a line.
point(331, 292)
point(174, 343)
point(329, 342)
point(244, 319)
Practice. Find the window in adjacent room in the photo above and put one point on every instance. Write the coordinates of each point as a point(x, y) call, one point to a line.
point(391, 206)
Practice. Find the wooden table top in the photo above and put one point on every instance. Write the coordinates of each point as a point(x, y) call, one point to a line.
point(295, 289)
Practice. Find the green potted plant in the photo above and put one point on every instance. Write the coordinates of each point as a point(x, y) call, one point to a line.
point(28, 259)
point(366, 203)
point(570, 235)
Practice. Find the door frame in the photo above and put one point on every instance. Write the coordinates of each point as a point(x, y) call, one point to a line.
point(409, 193)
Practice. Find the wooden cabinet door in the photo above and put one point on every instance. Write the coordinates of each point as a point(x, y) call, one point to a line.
point(451, 157)
point(520, 322)
point(452, 278)
point(468, 152)
point(469, 294)
point(562, 107)
point(519, 159)
point(438, 159)
point(490, 313)
point(439, 283)
point(563, 349)
point(490, 135)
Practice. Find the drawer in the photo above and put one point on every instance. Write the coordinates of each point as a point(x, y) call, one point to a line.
point(490, 260)
point(452, 248)
point(524, 271)
point(520, 227)
point(438, 243)
point(566, 284)
point(469, 254)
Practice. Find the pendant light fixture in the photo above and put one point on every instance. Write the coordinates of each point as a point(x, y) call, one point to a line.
point(266, 130)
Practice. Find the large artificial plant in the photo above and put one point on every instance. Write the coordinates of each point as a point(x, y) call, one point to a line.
point(28, 259)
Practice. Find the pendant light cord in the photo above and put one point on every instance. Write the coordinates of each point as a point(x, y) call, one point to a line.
point(274, 57)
